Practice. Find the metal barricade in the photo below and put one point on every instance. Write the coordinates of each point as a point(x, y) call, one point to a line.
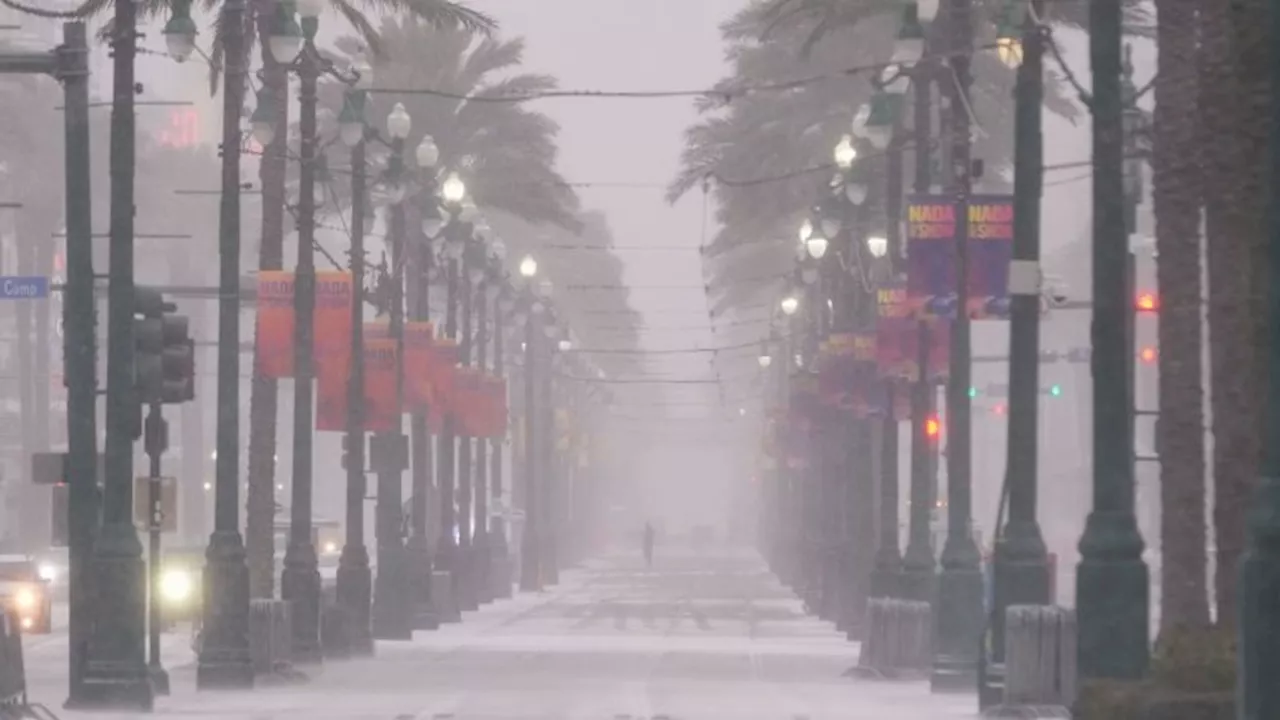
point(1040, 663)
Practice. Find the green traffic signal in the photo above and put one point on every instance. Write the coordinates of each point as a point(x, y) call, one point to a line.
point(973, 391)
point(1055, 390)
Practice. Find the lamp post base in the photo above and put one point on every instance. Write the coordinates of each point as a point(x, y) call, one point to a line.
point(224, 662)
point(958, 623)
point(392, 598)
point(300, 587)
point(1112, 596)
point(116, 672)
point(159, 679)
point(419, 561)
point(482, 567)
point(355, 595)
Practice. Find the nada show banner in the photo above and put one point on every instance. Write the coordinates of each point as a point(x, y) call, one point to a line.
point(931, 255)
point(331, 334)
point(331, 340)
point(379, 388)
point(444, 368)
point(273, 334)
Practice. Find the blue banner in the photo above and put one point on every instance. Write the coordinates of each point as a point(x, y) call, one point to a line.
point(931, 255)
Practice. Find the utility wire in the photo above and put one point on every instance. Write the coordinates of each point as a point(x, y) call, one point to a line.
point(726, 94)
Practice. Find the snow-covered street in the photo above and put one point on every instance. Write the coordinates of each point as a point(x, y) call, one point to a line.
point(699, 636)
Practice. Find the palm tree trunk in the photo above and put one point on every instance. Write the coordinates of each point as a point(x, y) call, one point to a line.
point(1184, 600)
point(1231, 225)
point(264, 396)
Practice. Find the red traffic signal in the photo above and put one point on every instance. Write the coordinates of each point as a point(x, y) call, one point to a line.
point(1148, 302)
point(932, 428)
point(1148, 355)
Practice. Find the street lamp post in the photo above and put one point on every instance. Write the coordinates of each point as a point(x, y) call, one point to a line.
point(448, 558)
point(116, 672)
point(466, 590)
point(919, 567)
point(1112, 579)
point(480, 549)
point(419, 545)
point(1021, 571)
point(300, 580)
point(886, 577)
point(224, 649)
point(392, 598)
point(498, 544)
point(355, 581)
point(552, 482)
point(530, 556)
point(960, 614)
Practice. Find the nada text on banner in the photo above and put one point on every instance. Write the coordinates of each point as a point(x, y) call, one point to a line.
point(931, 255)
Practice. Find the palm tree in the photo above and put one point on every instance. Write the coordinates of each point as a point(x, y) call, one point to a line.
point(505, 152)
point(1176, 166)
point(275, 77)
point(1235, 180)
point(769, 152)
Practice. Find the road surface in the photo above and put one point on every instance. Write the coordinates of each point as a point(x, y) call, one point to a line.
point(711, 637)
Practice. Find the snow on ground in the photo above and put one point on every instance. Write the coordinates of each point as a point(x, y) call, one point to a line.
point(710, 637)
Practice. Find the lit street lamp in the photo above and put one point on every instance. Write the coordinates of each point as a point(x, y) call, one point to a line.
point(530, 541)
point(789, 305)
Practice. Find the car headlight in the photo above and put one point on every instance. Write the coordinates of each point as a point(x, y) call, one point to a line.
point(48, 573)
point(25, 599)
point(330, 548)
point(175, 585)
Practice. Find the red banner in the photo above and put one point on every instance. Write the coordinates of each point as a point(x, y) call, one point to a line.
point(331, 336)
point(273, 334)
point(418, 360)
point(467, 401)
point(444, 368)
point(379, 390)
point(495, 406)
point(380, 411)
point(332, 339)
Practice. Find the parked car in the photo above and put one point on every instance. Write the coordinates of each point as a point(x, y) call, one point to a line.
point(26, 593)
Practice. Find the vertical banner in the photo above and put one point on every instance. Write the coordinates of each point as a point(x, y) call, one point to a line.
point(896, 332)
point(273, 333)
point(990, 251)
point(379, 398)
point(495, 406)
point(332, 339)
point(418, 360)
point(380, 413)
point(931, 255)
point(466, 402)
point(846, 373)
point(444, 367)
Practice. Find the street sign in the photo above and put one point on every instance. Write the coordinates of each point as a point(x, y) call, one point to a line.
point(33, 287)
point(162, 517)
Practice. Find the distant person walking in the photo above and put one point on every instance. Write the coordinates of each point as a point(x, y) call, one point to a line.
point(648, 545)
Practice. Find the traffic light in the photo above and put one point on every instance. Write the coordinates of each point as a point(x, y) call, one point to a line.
point(1148, 302)
point(163, 353)
point(973, 391)
point(1148, 355)
point(932, 428)
point(346, 449)
point(148, 343)
point(1055, 390)
point(178, 361)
